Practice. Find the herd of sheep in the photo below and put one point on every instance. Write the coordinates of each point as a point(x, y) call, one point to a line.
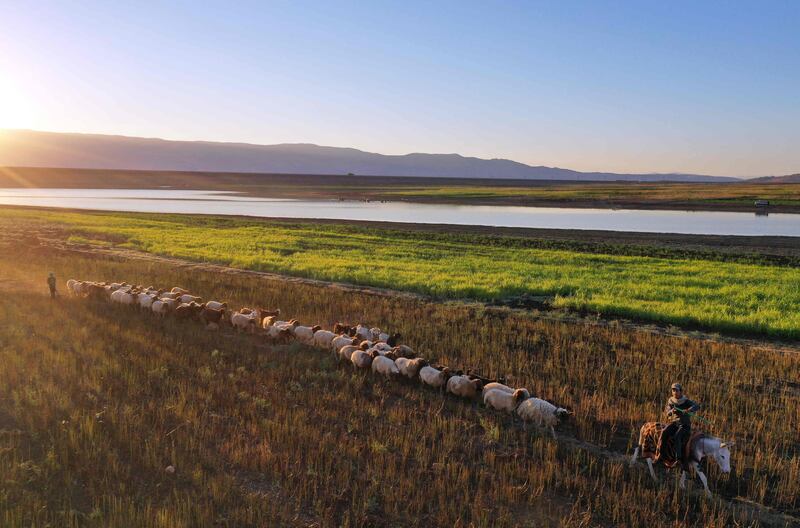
point(361, 346)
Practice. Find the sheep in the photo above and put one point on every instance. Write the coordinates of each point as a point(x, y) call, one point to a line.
point(186, 298)
point(502, 400)
point(391, 339)
point(404, 351)
point(188, 310)
point(73, 286)
point(123, 297)
point(543, 413)
point(361, 359)
point(241, 321)
point(434, 377)
point(162, 306)
point(410, 367)
point(305, 334)
point(464, 387)
point(381, 348)
point(494, 385)
point(146, 300)
point(323, 339)
point(384, 365)
point(216, 305)
point(211, 316)
point(343, 340)
point(341, 328)
point(267, 322)
point(279, 334)
point(364, 333)
point(169, 295)
point(375, 333)
point(346, 352)
point(179, 291)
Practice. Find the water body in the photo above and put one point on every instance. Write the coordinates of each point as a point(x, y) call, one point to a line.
point(230, 203)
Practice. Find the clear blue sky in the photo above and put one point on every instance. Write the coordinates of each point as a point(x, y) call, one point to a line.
point(709, 87)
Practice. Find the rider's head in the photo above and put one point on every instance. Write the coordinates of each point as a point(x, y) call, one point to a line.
point(677, 390)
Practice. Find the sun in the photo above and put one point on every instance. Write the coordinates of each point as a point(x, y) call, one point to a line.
point(16, 108)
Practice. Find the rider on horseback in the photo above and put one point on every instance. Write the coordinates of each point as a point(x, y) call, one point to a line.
point(678, 411)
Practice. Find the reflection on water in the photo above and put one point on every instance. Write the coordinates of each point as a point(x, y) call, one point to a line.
point(226, 203)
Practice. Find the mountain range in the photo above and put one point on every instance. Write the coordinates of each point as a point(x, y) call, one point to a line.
point(28, 148)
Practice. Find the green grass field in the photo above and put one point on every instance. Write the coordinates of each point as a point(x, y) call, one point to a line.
point(655, 193)
point(713, 294)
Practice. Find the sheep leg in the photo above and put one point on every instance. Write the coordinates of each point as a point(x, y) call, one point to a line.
point(682, 483)
point(635, 456)
point(553, 432)
point(650, 467)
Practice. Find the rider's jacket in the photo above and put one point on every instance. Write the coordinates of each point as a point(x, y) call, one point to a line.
point(674, 407)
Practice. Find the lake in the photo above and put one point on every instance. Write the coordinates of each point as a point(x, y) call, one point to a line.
point(230, 203)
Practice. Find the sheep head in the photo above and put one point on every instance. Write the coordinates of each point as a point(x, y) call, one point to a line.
point(519, 396)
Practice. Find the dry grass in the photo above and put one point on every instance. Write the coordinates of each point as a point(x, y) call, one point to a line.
point(95, 401)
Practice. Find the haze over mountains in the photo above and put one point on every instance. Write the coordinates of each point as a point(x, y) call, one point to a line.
point(26, 148)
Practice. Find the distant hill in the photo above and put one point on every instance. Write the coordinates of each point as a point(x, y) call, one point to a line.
point(26, 148)
point(790, 178)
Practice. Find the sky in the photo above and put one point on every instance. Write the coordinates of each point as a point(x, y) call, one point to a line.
point(703, 87)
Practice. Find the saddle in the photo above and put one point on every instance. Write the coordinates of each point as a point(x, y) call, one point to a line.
point(652, 445)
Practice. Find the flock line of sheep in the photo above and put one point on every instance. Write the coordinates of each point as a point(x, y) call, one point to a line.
point(361, 346)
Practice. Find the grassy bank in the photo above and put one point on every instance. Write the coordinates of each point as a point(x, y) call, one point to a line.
point(96, 401)
point(718, 295)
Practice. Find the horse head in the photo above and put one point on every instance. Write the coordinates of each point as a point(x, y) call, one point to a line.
point(721, 452)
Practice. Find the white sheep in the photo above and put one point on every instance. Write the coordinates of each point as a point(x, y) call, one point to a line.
point(146, 300)
point(186, 298)
point(179, 291)
point(542, 413)
point(216, 305)
point(363, 332)
point(247, 322)
point(410, 367)
point(305, 334)
point(464, 387)
point(384, 365)
point(163, 306)
point(323, 339)
point(72, 286)
point(346, 352)
point(361, 359)
point(434, 377)
point(505, 388)
point(123, 297)
point(381, 348)
point(502, 400)
point(342, 340)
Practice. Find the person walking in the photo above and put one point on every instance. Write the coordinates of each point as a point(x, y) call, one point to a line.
point(51, 283)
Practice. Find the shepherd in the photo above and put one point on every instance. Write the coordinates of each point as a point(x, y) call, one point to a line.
point(679, 410)
point(688, 449)
point(51, 283)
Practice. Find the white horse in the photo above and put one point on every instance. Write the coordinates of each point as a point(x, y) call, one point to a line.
point(705, 446)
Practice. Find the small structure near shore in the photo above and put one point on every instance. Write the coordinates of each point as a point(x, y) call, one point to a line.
point(761, 203)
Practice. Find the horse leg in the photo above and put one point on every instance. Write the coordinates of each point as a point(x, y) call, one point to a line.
point(703, 478)
point(650, 467)
point(635, 456)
